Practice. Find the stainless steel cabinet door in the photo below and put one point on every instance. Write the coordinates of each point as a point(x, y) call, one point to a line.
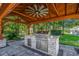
point(29, 42)
point(42, 45)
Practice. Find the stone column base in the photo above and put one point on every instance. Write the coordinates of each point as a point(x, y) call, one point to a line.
point(53, 45)
point(2, 43)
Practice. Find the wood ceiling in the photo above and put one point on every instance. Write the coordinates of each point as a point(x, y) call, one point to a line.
point(32, 13)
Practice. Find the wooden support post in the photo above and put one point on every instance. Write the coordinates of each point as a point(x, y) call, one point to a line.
point(2, 39)
point(1, 36)
point(30, 29)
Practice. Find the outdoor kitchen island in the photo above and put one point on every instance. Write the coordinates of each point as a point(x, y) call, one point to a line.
point(45, 43)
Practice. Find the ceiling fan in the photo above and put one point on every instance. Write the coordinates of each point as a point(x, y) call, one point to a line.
point(37, 11)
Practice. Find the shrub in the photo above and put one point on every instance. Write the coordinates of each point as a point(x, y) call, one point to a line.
point(56, 32)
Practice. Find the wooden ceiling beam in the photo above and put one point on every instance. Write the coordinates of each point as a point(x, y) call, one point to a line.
point(77, 8)
point(49, 10)
point(0, 4)
point(16, 21)
point(8, 9)
point(56, 18)
point(65, 9)
point(55, 9)
point(26, 16)
point(24, 20)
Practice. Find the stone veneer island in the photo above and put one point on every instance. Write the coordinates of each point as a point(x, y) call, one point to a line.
point(43, 42)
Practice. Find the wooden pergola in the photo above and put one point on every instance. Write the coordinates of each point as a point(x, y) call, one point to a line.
point(37, 13)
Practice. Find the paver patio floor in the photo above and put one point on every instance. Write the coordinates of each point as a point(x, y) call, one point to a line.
point(16, 48)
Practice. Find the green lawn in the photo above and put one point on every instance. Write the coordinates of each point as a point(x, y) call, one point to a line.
point(68, 39)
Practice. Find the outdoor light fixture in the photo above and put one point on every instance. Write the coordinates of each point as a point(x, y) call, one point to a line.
point(37, 11)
